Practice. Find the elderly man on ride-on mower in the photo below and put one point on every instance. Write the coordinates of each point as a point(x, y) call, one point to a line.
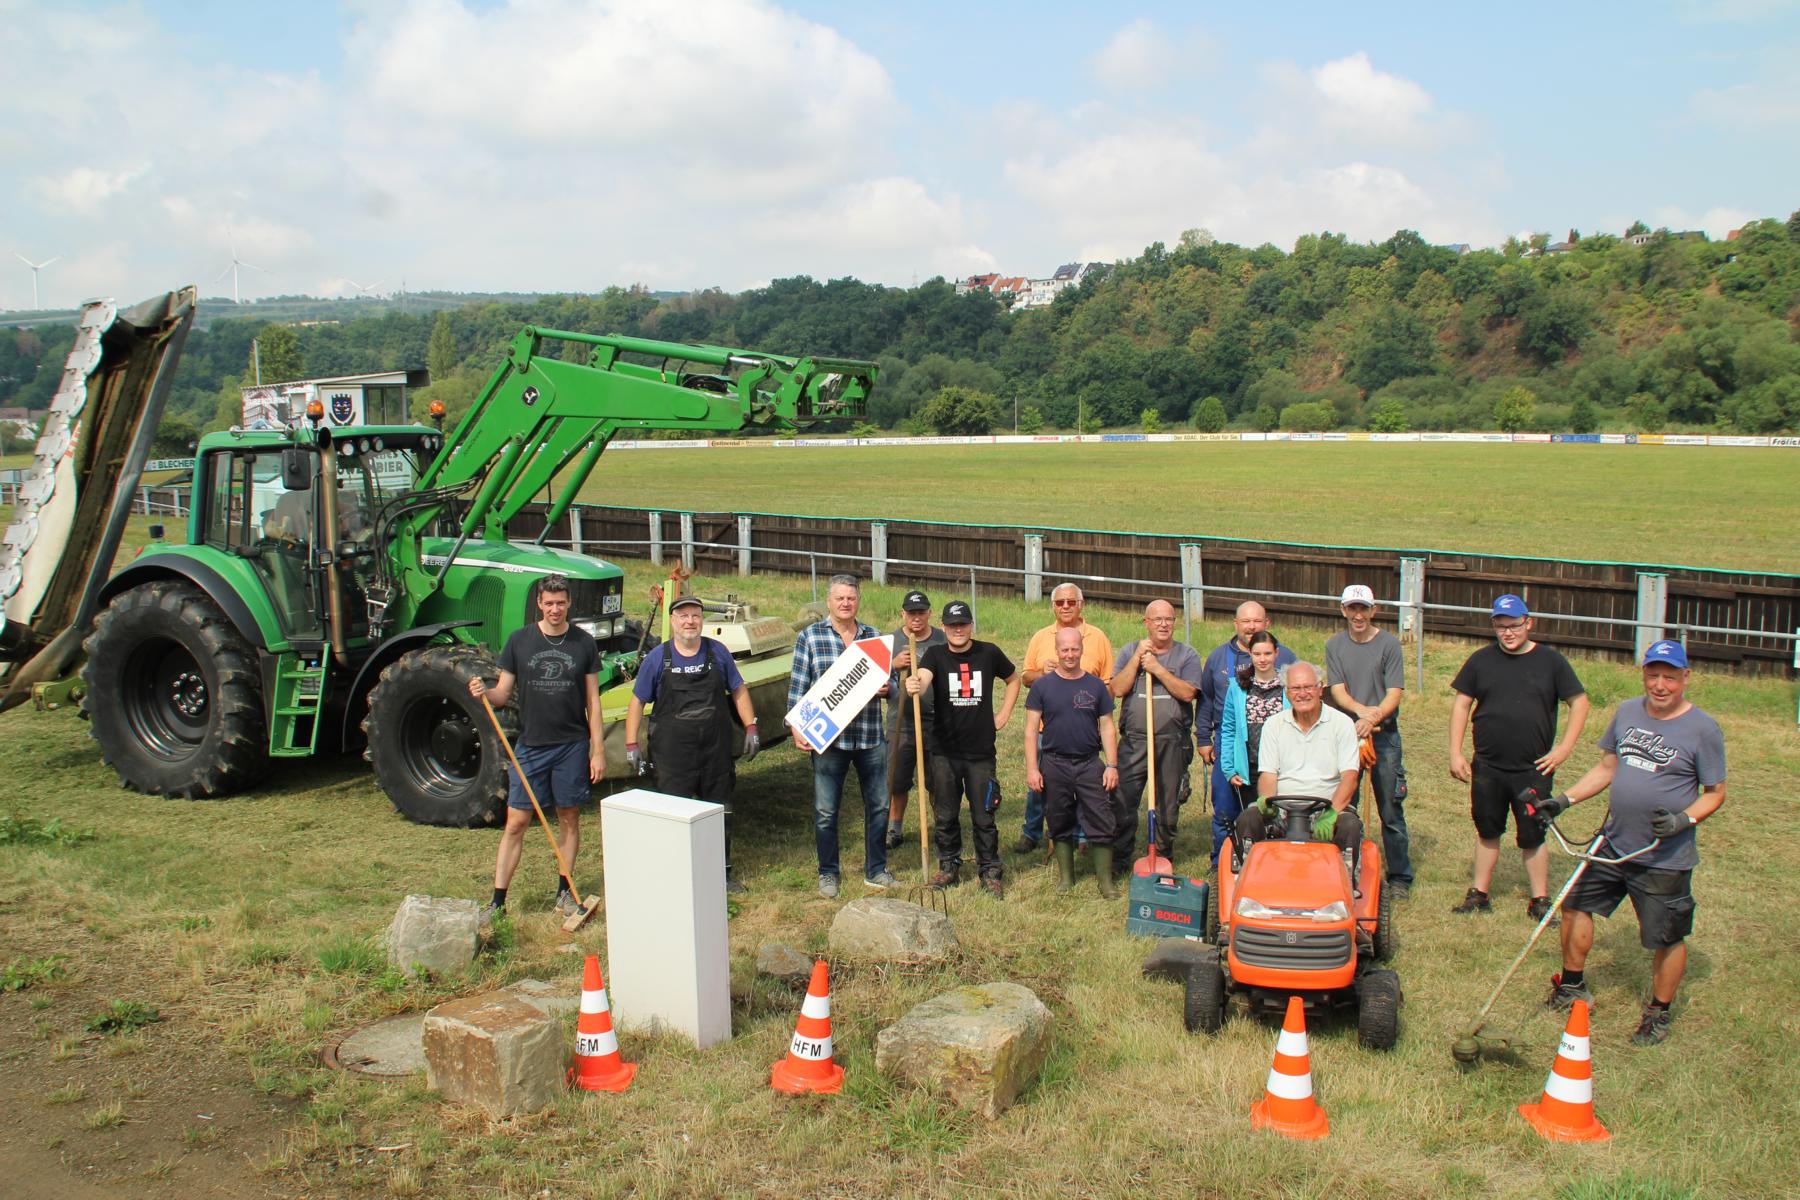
point(1307, 750)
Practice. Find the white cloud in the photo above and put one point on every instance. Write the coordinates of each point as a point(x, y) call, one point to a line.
point(1773, 104)
point(1355, 94)
point(84, 189)
point(1135, 59)
point(1716, 221)
point(892, 225)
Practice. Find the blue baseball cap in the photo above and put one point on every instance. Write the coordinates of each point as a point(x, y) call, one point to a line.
point(1510, 605)
point(1668, 652)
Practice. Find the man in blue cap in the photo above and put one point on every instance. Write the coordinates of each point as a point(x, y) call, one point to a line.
point(1513, 688)
point(1673, 756)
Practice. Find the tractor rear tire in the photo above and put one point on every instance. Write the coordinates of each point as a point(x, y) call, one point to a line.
point(1378, 1010)
point(1203, 997)
point(433, 748)
point(173, 694)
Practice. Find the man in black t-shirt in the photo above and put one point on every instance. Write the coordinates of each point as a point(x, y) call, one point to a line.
point(555, 669)
point(959, 676)
point(1071, 709)
point(1513, 687)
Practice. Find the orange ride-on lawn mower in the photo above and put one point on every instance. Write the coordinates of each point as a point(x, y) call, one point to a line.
point(1290, 924)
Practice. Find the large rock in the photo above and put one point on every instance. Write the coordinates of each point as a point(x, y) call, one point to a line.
point(891, 931)
point(979, 1047)
point(495, 1051)
point(438, 934)
point(782, 962)
point(1171, 957)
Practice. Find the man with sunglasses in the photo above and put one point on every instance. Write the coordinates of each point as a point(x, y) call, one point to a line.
point(1513, 688)
point(1066, 603)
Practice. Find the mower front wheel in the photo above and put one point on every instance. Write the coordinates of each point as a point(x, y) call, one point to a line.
point(1378, 1010)
point(1203, 998)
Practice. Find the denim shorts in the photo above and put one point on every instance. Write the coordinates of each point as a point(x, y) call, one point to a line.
point(558, 774)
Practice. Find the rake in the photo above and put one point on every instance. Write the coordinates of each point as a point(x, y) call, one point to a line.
point(924, 895)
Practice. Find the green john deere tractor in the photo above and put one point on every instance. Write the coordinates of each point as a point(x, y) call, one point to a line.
point(341, 584)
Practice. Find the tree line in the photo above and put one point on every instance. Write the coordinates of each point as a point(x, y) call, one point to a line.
point(1659, 331)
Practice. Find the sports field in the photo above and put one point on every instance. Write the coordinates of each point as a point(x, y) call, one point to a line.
point(252, 927)
point(1677, 505)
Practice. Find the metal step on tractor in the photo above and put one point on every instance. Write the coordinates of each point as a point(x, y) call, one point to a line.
point(340, 583)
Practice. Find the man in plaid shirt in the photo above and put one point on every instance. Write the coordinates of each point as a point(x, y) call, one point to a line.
point(862, 744)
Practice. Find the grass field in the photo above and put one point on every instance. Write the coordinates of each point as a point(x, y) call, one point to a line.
point(1678, 505)
point(251, 926)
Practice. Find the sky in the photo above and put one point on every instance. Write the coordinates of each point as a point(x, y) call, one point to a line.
point(570, 145)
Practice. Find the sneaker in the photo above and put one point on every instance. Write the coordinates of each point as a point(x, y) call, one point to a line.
point(566, 904)
point(1025, 845)
point(949, 877)
point(1400, 888)
point(881, 881)
point(828, 886)
point(489, 913)
point(733, 885)
point(895, 836)
point(994, 887)
point(1475, 900)
point(1538, 907)
point(1654, 1027)
point(1563, 995)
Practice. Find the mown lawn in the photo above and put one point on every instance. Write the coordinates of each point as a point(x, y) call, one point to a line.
point(252, 925)
point(1675, 505)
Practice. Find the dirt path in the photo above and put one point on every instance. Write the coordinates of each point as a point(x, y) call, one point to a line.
point(166, 1112)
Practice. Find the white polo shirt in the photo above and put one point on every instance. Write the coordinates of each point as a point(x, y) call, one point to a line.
point(1308, 762)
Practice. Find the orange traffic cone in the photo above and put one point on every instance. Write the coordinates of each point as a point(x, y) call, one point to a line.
point(808, 1066)
point(1287, 1105)
point(1566, 1113)
point(598, 1067)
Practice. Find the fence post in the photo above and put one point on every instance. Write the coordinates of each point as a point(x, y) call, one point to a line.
point(1412, 608)
point(656, 538)
point(1193, 589)
point(878, 552)
point(1652, 610)
point(743, 545)
point(575, 528)
point(1034, 568)
point(687, 540)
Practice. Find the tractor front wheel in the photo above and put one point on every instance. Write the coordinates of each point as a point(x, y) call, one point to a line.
point(433, 748)
point(173, 694)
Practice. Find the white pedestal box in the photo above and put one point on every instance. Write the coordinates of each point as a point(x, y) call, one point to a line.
point(668, 960)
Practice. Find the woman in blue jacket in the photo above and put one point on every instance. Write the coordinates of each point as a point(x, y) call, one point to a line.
point(1255, 694)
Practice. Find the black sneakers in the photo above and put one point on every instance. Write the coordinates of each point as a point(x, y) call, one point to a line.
point(1564, 995)
point(1474, 900)
point(1538, 907)
point(1654, 1027)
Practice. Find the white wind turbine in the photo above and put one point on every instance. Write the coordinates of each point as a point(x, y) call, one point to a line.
point(361, 289)
point(232, 270)
point(35, 268)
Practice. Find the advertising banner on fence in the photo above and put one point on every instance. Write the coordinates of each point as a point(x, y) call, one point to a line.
point(841, 692)
point(1531, 437)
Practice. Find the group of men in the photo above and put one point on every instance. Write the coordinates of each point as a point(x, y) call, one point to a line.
point(1094, 720)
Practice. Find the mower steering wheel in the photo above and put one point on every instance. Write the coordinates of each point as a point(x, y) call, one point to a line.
point(1305, 806)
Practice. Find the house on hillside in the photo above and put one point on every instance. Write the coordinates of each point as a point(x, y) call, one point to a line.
point(976, 283)
point(1457, 248)
point(1564, 246)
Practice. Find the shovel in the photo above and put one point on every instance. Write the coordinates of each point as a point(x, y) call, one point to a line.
point(924, 895)
point(1151, 863)
point(579, 917)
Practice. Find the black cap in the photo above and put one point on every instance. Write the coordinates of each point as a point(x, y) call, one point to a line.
point(916, 602)
point(684, 601)
point(958, 613)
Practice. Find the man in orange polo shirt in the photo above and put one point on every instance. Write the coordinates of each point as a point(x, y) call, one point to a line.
point(1040, 659)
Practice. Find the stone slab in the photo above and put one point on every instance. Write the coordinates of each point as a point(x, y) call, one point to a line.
point(1170, 957)
point(882, 929)
point(438, 933)
point(979, 1047)
point(496, 1052)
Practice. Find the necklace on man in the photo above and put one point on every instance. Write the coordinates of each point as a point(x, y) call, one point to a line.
point(559, 641)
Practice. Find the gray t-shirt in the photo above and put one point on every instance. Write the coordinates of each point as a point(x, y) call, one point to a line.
point(1173, 717)
point(1366, 669)
point(900, 722)
point(1662, 764)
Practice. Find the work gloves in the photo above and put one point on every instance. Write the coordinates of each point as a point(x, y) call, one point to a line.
point(640, 762)
point(1666, 824)
point(1545, 811)
point(752, 742)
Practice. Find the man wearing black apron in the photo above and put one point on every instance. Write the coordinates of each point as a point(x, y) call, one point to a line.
point(694, 683)
point(1174, 673)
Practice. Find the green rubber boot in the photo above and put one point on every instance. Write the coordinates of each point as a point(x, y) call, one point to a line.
point(1065, 866)
point(1103, 856)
